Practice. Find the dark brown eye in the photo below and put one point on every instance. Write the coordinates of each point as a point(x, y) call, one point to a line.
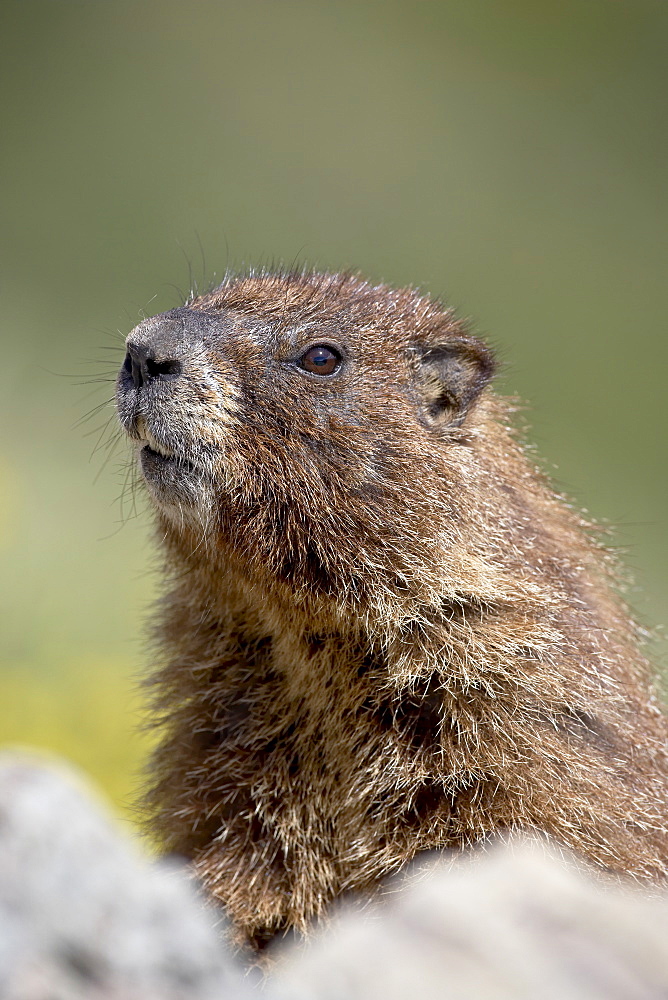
point(320, 360)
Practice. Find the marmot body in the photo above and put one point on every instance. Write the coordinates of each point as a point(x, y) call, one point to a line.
point(382, 632)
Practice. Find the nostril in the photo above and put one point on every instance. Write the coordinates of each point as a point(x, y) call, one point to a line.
point(143, 368)
point(133, 367)
point(163, 369)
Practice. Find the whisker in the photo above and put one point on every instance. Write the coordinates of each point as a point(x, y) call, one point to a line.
point(92, 412)
point(113, 445)
point(111, 378)
point(203, 259)
point(184, 298)
point(190, 272)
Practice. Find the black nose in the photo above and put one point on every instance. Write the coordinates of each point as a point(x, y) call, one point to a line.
point(142, 363)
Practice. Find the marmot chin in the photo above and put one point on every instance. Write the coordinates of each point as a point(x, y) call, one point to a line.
point(382, 632)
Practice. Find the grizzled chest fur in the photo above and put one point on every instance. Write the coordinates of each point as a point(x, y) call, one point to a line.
point(287, 714)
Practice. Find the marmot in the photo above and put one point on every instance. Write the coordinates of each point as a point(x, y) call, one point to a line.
point(382, 631)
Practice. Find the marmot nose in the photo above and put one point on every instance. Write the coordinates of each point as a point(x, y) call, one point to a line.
point(154, 349)
point(141, 362)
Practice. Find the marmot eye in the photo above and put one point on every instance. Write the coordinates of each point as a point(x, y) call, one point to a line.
point(320, 360)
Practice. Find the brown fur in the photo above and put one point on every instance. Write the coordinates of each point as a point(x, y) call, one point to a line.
point(382, 632)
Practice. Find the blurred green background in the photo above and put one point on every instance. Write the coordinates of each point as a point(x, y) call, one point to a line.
point(510, 156)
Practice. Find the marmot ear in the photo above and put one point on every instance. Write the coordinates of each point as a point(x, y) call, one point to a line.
point(451, 376)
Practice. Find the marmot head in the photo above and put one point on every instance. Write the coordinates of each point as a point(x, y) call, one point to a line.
point(306, 423)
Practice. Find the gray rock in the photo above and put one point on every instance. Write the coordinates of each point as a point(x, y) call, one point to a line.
point(509, 923)
point(82, 915)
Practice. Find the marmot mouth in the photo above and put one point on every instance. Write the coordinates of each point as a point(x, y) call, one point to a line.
point(157, 459)
point(161, 456)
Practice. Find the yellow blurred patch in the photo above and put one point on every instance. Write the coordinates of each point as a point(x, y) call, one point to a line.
point(87, 712)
